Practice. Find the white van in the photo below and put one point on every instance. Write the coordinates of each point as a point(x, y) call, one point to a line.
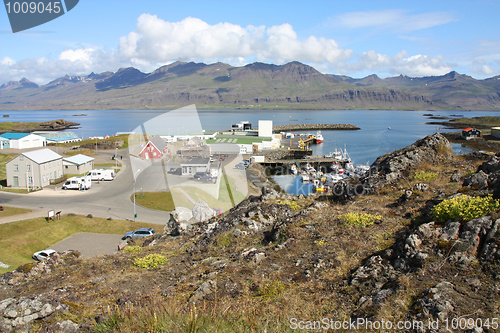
point(101, 174)
point(77, 183)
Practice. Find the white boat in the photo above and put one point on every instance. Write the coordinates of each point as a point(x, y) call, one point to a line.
point(332, 178)
point(319, 137)
point(293, 168)
point(361, 170)
point(305, 177)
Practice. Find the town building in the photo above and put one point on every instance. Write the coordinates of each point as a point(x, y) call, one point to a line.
point(24, 140)
point(265, 128)
point(470, 133)
point(78, 164)
point(34, 169)
point(195, 165)
point(241, 126)
point(495, 132)
point(4, 143)
point(58, 137)
point(154, 148)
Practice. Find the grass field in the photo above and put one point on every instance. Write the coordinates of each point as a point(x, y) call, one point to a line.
point(10, 211)
point(21, 239)
point(483, 122)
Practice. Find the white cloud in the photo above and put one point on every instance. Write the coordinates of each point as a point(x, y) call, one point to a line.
point(195, 40)
point(400, 63)
point(396, 20)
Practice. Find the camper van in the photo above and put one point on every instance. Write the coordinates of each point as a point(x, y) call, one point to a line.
point(101, 174)
point(77, 183)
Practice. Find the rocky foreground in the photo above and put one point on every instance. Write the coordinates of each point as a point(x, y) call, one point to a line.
point(279, 263)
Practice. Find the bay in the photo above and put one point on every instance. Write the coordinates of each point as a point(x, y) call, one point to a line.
point(382, 131)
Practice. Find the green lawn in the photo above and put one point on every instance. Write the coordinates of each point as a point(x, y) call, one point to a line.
point(10, 211)
point(155, 200)
point(21, 239)
point(237, 139)
point(485, 122)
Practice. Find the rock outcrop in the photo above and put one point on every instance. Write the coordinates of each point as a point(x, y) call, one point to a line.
point(487, 177)
point(392, 167)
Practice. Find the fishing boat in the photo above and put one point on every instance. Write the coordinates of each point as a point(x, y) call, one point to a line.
point(362, 170)
point(305, 177)
point(319, 137)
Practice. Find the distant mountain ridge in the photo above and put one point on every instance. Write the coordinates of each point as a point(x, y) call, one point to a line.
point(256, 85)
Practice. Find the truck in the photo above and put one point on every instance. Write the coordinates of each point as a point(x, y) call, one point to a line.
point(101, 174)
point(77, 183)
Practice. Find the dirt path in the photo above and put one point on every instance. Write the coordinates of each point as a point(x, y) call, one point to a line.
point(89, 244)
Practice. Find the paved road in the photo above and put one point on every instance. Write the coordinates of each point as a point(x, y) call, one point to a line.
point(104, 199)
point(89, 244)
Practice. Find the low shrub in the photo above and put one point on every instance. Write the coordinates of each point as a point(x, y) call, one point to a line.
point(132, 249)
point(423, 176)
point(292, 204)
point(150, 261)
point(359, 219)
point(271, 289)
point(464, 208)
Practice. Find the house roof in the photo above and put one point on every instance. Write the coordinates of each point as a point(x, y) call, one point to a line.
point(42, 155)
point(198, 160)
point(14, 136)
point(57, 136)
point(78, 159)
point(468, 129)
point(156, 141)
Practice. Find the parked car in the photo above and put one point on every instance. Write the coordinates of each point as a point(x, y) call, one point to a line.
point(139, 233)
point(202, 176)
point(240, 165)
point(41, 255)
point(175, 171)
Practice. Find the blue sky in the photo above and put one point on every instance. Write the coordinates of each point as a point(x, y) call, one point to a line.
point(355, 38)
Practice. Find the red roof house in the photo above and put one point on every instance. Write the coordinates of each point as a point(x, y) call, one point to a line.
point(155, 148)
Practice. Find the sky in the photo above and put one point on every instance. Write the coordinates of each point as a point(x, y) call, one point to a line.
point(354, 38)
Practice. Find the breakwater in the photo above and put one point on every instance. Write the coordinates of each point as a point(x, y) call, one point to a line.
point(315, 127)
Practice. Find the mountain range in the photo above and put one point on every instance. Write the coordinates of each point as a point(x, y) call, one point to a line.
point(254, 86)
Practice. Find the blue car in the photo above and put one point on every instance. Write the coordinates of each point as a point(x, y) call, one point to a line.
point(139, 233)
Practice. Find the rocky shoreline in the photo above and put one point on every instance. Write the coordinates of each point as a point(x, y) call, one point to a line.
point(315, 127)
point(53, 125)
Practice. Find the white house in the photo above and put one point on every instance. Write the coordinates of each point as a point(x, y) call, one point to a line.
point(195, 165)
point(24, 140)
point(78, 164)
point(4, 143)
point(34, 169)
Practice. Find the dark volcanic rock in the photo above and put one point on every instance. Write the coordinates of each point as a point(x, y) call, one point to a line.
point(394, 166)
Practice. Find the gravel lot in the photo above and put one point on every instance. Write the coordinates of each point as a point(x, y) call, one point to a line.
point(89, 244)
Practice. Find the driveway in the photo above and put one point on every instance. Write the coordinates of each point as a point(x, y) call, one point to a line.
point(89, 244)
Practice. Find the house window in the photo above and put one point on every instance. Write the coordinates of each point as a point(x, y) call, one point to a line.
point(16, 167)
point(43, 179)
point(30, 180)
point(28, 167)
point(65, 166)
